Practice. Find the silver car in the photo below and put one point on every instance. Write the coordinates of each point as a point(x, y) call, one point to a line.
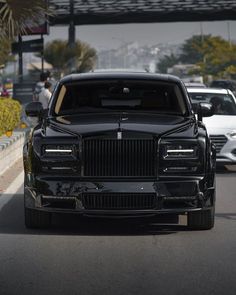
point(222, 125)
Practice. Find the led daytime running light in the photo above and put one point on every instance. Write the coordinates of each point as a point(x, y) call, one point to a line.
point(180, 151)
point(58, 151)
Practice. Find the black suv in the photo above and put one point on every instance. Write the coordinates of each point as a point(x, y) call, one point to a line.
point(119, 144)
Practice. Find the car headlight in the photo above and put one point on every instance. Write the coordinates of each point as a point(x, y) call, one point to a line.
point(180, 151)
point(181, 157)
point(58, 150)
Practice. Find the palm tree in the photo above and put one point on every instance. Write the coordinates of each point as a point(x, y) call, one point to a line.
point(5, 49)
point(15, 16)
point(65, 59)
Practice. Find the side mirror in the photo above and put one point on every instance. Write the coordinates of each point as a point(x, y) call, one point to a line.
point(34, 109)
point(205, 109)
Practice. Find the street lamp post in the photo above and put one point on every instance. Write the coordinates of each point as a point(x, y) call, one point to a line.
point(20, 69)
point(71, 25)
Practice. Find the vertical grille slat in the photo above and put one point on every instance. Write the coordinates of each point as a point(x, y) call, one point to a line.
point(119, 158)
point(112, 201)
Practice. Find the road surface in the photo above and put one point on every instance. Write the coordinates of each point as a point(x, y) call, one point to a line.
point(105, 257)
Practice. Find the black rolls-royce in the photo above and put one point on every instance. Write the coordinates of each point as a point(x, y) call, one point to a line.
point(119, 144)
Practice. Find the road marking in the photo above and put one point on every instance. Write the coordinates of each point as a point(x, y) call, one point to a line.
point(11, 190)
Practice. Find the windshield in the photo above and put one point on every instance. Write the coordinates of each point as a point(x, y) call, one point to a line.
point(223, 104)
point(116, 95)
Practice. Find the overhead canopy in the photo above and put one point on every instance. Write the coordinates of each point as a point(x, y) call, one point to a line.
point(141, 11)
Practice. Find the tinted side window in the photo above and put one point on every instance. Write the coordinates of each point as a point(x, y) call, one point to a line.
point(223, 104)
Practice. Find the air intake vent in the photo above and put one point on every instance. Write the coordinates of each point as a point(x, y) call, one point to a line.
point(116, 201)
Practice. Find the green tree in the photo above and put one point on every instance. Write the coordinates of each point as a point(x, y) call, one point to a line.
point(77, 58)
point(219, 57)
point(212, 55)
point(87, 59)
point(166, 62)
point(191, 49)
point(16, 15)
point(5, 50)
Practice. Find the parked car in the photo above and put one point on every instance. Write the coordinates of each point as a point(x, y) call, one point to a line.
point(195, 84)
point(119, 144)
point(224, 84)
point(222, 125)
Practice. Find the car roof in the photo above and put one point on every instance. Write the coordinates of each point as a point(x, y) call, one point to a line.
point(114, 74)
point(136, 70)
point(208, 90)
point(195, 84)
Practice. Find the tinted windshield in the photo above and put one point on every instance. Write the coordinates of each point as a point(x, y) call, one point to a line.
point(223, 104)
point(116, 95)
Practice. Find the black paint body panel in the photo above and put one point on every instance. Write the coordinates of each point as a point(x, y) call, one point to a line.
point(65, 183)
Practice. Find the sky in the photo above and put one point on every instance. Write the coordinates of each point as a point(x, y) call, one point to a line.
point(112, 36)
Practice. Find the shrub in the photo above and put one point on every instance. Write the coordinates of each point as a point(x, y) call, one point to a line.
point(10, 112)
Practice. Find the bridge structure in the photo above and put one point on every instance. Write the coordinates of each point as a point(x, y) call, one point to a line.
point(85, 12)
point(74, 13)
point(92, 12)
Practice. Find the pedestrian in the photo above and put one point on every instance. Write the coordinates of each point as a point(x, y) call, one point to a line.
point(39, 86)
point(45, 94)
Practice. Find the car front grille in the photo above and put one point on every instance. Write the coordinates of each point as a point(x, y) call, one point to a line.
point(116, 201)
point(219, 141)
point(120, 158)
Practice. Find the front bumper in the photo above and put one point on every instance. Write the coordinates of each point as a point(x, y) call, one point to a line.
point(227, 155)
point(119, 198)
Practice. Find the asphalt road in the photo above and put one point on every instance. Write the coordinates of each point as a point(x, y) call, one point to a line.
point(75, 257)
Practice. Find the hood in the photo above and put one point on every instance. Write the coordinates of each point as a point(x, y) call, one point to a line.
point(84, 124)
point(220, 124)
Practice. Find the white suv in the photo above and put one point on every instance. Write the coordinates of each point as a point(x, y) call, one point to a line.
point(222, 125)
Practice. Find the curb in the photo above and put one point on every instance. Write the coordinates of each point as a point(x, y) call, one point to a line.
point(11, 149)
point(7, 141)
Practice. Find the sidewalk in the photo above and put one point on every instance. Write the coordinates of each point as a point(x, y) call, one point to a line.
point(8, 178)
point(11, 149)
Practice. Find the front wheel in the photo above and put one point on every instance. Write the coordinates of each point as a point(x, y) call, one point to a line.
point(201, 220)
point(37, 219)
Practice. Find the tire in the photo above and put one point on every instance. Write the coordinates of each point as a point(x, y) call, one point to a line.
point(201, 220)
point(37, 219)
